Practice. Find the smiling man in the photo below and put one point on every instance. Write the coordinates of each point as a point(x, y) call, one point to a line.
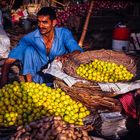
point(38, 48)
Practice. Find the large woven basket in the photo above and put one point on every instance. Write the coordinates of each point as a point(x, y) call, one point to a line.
point(91, 96)
point(130, 62)
point(90, 93)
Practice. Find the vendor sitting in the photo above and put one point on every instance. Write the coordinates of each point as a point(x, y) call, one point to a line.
point(38, 48)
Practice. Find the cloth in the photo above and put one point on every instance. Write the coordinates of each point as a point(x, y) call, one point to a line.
point(128, 103)
point(4, 44)
point(31, 51)
point(120, 88)
point(55, 68)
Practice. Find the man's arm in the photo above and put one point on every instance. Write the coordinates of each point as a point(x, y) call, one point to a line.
point(5, 71)
point(71, 45)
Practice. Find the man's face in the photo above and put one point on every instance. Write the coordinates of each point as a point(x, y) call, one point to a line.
point(45, 25)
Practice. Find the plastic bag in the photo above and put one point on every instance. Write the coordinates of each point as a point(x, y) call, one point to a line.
point(4, 44)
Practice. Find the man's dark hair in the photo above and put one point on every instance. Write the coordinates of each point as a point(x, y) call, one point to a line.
point(47, 11)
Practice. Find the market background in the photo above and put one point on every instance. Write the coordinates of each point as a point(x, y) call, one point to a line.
point(104, 18)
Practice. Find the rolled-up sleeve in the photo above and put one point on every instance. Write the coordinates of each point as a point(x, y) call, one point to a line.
point(69, 41)
point(18, 51)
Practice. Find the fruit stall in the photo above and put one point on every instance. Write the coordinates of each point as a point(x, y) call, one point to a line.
point(35, 111)
point(87, 103)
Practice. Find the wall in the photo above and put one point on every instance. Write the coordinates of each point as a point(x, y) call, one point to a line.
point(100, 28)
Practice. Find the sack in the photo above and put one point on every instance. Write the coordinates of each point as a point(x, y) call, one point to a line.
point(4, 44)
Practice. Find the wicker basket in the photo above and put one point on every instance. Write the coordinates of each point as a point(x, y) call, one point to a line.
point(130, 62)
point(90, 93)
point(91, 96)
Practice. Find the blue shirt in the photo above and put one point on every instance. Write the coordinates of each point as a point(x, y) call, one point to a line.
point(32, 53)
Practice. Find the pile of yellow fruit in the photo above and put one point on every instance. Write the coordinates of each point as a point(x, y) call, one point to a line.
point(21, 103)
point(103, 71)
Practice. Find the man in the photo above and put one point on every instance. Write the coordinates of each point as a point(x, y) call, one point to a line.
point(38, 48)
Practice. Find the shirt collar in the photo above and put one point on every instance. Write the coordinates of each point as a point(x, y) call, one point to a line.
point(37, 33)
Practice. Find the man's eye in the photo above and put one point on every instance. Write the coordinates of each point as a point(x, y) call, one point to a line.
point(44, 22)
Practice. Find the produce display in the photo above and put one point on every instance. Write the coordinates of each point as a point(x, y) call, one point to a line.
point(75, 9)
point(103, 71)
point(24, 102)
point(51, 128)
point(82, 8)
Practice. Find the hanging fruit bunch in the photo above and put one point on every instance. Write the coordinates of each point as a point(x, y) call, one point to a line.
point(82, 8)
point(103, 71)
point(25, 102)
point(74, 9)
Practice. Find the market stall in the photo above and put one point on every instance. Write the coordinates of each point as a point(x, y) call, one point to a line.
point(35, 111)
point(88, 98)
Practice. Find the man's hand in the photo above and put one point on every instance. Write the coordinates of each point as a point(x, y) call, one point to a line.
point(64, 57)
point(29, 78)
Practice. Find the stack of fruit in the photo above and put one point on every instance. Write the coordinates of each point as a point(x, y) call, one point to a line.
point(103, 71)
point(24, 102)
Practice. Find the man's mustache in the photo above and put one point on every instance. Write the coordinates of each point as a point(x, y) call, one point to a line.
point(42, 28)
